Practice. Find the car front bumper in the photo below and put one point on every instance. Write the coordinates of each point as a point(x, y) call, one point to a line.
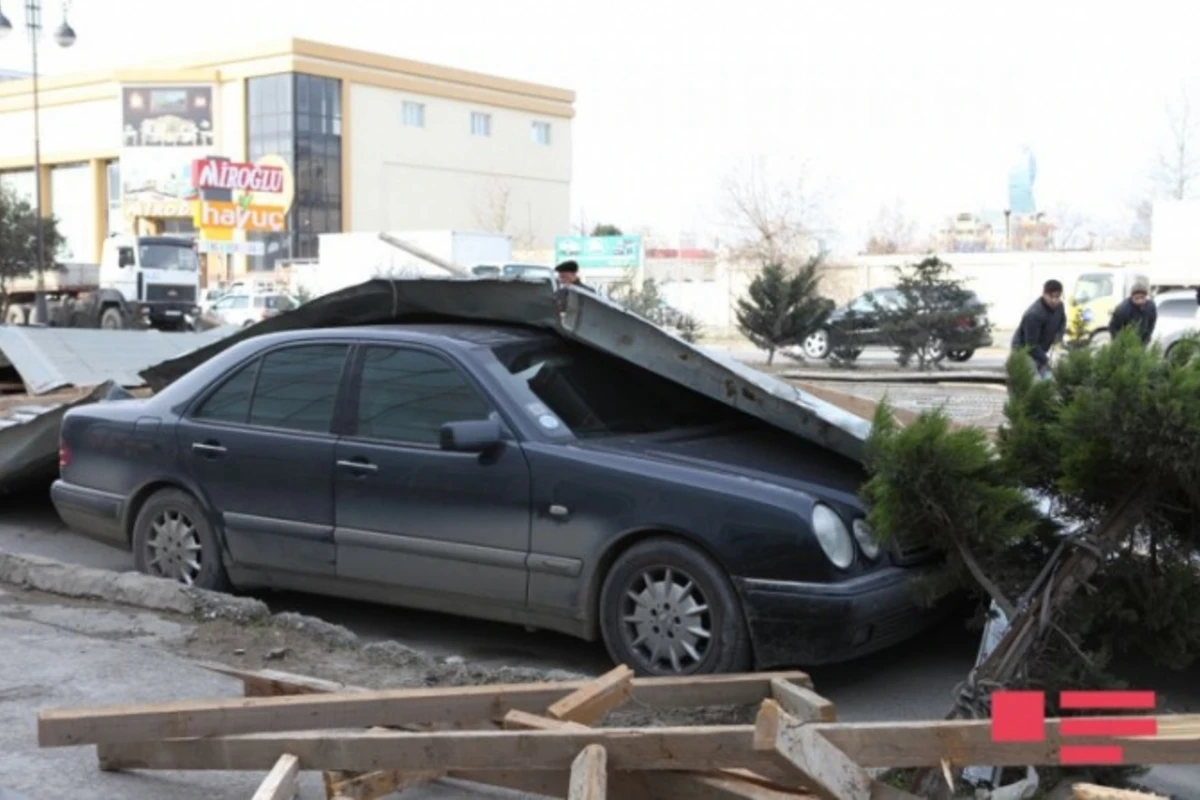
point(808, 624)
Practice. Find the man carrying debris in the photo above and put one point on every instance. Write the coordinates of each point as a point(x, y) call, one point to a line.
point(568, 275)
point(1136, 310)
point(1042, 325)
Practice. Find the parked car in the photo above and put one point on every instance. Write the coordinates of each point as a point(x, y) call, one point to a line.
point(858, 324)
point(496, 472)
point(244, 309)
point(1178, 316)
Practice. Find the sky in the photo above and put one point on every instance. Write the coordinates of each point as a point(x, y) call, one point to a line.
point(923, 102)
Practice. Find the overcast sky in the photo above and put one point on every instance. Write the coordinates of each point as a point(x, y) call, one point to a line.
point(925, 100)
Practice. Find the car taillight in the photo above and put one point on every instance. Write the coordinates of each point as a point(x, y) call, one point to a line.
point(64, 456)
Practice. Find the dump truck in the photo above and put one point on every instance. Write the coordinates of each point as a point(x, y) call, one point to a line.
point(141, 281)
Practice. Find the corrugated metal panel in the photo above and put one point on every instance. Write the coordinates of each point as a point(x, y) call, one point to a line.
point(590, 319)
point(55, 358)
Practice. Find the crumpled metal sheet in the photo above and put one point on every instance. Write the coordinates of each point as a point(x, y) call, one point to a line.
point(29, 436)
point(56, 358)
point(589, 318)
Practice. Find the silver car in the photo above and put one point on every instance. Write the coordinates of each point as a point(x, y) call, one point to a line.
point(1178, 316)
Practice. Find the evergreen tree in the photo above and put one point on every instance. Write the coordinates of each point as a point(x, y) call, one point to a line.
point(782, 308)
point(690, 328)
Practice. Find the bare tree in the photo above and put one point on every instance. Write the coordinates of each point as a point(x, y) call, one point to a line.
point(1072, 231)
point(772, 222)
point(1178, 167)
point(892, 231)
point(493, 213)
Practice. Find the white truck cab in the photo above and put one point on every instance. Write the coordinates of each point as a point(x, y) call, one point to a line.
point(158, 277)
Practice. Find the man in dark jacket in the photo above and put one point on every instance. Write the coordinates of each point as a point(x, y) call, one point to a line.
point(568, 275)
point(1137, 310)
point(1042, 325)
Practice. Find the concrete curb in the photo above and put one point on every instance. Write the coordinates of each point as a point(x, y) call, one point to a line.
point(873, 376)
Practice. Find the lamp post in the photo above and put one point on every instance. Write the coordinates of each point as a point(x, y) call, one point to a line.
point(64, 35)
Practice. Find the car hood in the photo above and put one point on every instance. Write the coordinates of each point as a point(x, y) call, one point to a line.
point(751, 452)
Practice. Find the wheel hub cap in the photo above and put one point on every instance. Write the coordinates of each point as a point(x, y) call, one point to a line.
point(666, 620)
point(174, 549)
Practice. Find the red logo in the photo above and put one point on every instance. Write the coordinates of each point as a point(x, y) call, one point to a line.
point(209, 173)
point(1021, 717)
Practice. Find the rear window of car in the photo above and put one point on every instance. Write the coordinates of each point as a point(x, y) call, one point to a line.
point(1178, 307)
point(595, 394)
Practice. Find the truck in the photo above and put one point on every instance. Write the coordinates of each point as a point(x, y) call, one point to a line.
point(1174, 265)
point(141, 281)
point(346, 259)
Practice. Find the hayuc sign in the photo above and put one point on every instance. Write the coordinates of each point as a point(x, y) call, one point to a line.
point(211, 173)
point(242, 218)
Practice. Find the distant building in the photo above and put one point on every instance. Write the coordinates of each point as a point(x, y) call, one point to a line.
point(1021, 177)
point(968, 233)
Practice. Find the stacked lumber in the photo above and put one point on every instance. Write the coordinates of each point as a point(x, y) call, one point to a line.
point(543, 738)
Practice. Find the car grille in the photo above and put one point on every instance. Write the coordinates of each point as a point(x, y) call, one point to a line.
point(170, 293)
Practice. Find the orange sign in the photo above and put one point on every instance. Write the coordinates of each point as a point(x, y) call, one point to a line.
point(243, 218)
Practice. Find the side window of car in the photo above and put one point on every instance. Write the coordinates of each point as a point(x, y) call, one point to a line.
point(297, 388)
point(240, 301)
point(407, 395)
point(231, 402)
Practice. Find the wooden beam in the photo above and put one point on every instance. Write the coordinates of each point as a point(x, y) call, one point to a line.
point(379, 783)
point(638, 785)
point(524, 721)
point(589, 774)
point(281, 782)
point(1088, 791)
point(276, 683)
point(801, 702)
point(834, 776)
point(685, 748)
point(591, 702)
point(391, 708)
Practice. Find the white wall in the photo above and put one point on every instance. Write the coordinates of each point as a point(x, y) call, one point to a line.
point(231, 119)
point(22, 182)
point(440, 176)
point(76, 128)
point(73, 203)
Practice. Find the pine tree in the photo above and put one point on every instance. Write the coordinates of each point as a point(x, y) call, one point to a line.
point(782, 308)
point(1112, 447)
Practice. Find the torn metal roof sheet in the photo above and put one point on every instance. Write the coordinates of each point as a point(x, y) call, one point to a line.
point(29, 435)
point(589, 318)
point(54, 358)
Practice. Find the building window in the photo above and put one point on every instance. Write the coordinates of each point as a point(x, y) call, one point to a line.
point(414, 114)
point(299, 117)
point(481, 124)
point(541, 133)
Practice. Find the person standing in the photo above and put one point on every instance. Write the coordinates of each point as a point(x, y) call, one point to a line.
point(568, 275)
point(1042, 325)
point(1137, 310)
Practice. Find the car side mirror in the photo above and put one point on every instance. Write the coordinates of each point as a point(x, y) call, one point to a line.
point(471, 436)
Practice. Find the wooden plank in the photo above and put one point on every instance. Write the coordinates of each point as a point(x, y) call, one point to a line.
point(834, 776)
point(391, 708)
point(589, 774)
point(1090, 791)
point(524, 721)
point(588, 704)
point(683, 748)
point(802, 703)
point(380, 783)
point(275, 683)
point(638, 785)
point(281, 782)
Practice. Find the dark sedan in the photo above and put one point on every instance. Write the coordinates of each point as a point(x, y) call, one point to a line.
point(496, 472)
point(857, 324)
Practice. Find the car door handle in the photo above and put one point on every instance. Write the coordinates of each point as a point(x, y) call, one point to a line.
point(208, 448)
point(358, 465)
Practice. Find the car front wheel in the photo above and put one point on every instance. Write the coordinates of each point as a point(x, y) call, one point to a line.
point(668, 609)
point(173, 539)
point(960, 355)
point(816, 344)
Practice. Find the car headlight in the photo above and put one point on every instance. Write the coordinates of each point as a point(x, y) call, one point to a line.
point(831, 532)
point(1087, 315)
point(865, 538)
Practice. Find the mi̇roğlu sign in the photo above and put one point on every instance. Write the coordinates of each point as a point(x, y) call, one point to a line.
point(210, 173)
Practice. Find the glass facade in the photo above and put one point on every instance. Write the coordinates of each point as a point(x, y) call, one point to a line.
point(299, 117)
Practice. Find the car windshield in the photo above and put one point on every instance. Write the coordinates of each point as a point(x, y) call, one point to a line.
point(168, 256)
point(595, 394)
point(1089, 287)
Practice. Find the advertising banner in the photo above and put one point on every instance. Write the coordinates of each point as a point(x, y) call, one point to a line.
point(599, 251)
point(164, 130)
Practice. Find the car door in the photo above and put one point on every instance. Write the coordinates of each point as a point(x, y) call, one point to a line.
point(260, 447)
point(412, 515)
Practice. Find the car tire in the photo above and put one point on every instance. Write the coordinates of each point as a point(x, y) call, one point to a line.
point(1100, 338)
point(959, 356)
point(171, 531)
point(816, 344)
point(657, 582)
point(111, 319)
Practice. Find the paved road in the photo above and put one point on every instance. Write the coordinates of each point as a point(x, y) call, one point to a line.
point(876, 357)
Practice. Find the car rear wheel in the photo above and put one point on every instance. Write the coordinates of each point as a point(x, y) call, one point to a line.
point(173, 539)
point(816, 344)
point(668, 609)
point(960, 355)
point(1100, 338)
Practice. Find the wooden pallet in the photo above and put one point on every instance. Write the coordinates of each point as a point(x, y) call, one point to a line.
point(539, 737)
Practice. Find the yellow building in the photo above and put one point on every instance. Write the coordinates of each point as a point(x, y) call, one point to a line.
point(373, 142)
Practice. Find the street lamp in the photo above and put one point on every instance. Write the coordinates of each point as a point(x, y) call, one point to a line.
point(64, 35)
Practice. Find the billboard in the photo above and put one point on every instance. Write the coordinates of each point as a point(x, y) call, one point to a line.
point(599, 251)
point(164, 129)
point(236, 198)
